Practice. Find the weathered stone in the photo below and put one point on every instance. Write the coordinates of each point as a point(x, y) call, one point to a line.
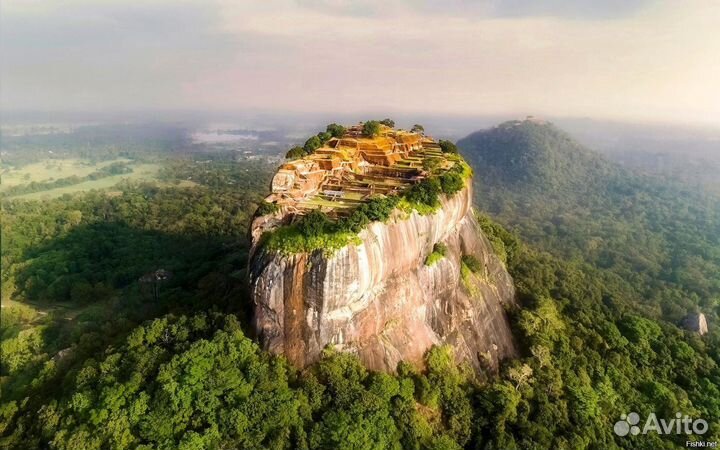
point(696, 323)
point(379, 300)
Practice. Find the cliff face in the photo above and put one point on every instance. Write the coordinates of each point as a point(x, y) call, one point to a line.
point(379, 300)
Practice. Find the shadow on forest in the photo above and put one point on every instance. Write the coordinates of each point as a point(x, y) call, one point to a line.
point(113, 255)
point(94, 271)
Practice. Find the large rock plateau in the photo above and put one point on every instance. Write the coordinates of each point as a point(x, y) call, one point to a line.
point(379, 300)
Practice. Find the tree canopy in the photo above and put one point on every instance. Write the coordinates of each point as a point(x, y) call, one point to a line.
point(335, 130)
point(447, 146)
point(388, 123)
point(371, 128)
point(604, 261)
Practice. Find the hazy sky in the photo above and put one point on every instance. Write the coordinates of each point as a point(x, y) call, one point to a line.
point(636, 59)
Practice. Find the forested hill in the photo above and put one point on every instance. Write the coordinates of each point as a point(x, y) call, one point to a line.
point(530, 154)
point(659, 238)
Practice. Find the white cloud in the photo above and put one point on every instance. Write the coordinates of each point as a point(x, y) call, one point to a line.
point(655, 62)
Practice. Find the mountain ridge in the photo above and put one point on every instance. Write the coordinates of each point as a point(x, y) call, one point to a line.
point(537, 180)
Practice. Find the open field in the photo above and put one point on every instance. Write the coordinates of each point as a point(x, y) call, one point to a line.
point(144, 171)
point(52, 169)
point(62, 310)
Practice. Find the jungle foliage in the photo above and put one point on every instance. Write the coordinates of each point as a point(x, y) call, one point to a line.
point(600, 277)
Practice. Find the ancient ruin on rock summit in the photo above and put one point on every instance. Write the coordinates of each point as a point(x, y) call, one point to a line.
point(365, 282)
point(348, 170)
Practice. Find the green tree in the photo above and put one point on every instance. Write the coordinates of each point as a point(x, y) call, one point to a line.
point(295, 152)
point(265, 208)
point(431, 164)
point(425, 193)
point(324, 136)
point(335, 130)
point(388, 123)
point(313, 224)
point(312, 144)
point(451, 182)
point(447, 146)
point(371, 128)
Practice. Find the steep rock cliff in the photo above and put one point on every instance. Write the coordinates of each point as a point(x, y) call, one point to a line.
point(379, 300)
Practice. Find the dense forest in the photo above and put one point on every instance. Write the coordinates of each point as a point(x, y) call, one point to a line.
point(78, 263)
point(603, 264)
point(661, 238)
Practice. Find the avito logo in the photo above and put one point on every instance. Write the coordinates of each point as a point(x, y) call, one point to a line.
point(681, 424)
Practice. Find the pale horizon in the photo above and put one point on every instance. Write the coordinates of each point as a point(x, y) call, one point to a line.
point(640, 60)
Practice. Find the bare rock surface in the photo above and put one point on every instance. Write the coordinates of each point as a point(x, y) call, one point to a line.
point(696, 322)
point(379, 300)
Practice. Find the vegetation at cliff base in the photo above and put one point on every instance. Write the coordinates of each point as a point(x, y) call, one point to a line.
point(623, 258)
point(195, 381)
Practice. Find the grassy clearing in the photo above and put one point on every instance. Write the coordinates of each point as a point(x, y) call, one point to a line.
point(21, 316)
point(15, 318)
point(52, 169)
point(33, 310)
point(145, 172)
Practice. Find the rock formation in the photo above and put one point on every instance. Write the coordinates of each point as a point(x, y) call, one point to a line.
point(379, 299)
point(696, 323)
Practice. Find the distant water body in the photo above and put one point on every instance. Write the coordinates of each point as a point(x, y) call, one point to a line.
point(221, 136)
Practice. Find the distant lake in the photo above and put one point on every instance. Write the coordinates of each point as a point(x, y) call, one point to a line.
point(221, 136)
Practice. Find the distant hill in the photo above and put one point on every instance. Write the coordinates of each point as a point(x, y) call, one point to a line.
point(662, 238)
point(533, 154)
